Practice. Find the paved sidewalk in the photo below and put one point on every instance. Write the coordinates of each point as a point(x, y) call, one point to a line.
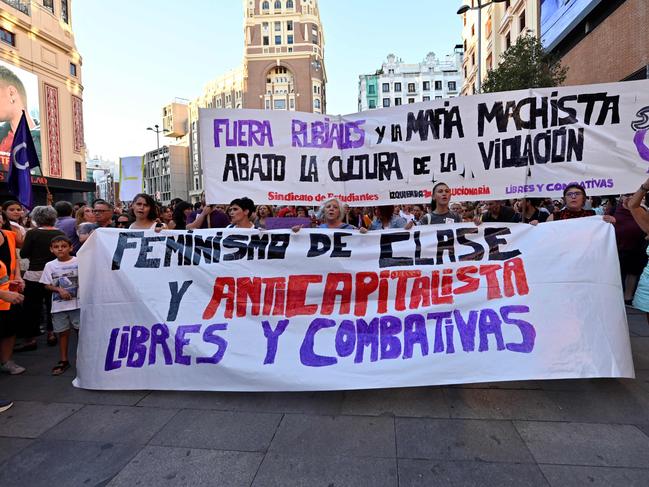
point(559, 433)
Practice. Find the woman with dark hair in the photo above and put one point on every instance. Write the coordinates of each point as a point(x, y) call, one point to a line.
point(181, 211)
point(240, 212)
point(167, 216)
point(440, 212)
point(575, 199)
point(386, 218)
point(145, 213)
point(13, 215)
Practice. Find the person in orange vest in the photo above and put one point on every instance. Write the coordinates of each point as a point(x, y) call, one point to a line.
point(11, 287)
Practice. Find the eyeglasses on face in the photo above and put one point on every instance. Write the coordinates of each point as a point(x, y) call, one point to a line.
point(574, 194)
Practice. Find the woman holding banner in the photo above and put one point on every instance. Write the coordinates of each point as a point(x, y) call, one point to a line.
point(240, 212)
point(333, 216)
point(440, 212)
point(640, 215)
point(575, 197)
point(145, 212)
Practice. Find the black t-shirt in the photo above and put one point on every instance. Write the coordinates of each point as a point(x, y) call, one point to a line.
point(36, 247)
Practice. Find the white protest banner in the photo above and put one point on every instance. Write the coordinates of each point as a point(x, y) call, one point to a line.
point(492, 146)
point(243, 310)
point(131, 178)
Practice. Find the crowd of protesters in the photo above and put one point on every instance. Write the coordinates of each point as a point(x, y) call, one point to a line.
point(39, 274)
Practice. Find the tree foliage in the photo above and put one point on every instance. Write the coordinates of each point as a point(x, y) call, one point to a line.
point(525, 65)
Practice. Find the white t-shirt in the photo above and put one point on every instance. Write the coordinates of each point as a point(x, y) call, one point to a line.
point(65, 275)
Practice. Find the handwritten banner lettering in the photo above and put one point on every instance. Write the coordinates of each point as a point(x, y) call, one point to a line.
point(243, 310)
point(494, 146)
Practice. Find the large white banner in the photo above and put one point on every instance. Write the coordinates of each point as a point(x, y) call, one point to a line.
point(131, 177)
point(246, 310)
point(493, 146)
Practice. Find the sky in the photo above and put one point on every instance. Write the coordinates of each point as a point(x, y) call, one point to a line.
point(138, 55)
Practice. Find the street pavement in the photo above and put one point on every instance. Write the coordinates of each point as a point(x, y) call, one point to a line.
point(559, 433)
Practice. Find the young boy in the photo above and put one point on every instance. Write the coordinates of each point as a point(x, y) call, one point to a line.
point(61, 276)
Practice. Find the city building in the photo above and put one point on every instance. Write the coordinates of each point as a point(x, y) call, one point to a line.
point(101, 173)
point(397, 83)
point(166, 173)
point(599, 41)
point(283, 69)
point(502, 23)
point(39, 58)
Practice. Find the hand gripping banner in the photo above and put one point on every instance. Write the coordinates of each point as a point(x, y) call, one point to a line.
point(247, 310)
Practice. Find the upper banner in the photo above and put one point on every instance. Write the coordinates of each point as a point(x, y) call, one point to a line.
point(243, 310)
point(493, 146)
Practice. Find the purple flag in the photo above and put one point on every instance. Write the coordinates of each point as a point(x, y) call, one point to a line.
point(23, 158)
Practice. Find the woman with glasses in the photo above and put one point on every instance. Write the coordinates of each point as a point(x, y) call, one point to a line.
point(123, 221)
point(575, 198)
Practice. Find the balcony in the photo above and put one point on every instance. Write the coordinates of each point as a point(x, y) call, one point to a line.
point(19, 5)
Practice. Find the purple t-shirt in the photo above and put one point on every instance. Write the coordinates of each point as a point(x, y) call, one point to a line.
point(218, 219)
point(68, 225)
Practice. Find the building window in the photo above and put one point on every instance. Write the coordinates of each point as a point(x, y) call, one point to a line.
point(390, 71)
point(489, 61)
point(73, 69)
point(264, 26)
point(521, 21)
point(452, 86)
point(49, 5)
point(397, 102)
point(386, 88)
point(289, 39)
point(7, 37)
point(278, 27)
point(314, 32)
point(279, 105)
point(411, 100)
point(426, 98)
point(371, 90)
point(316, 104)
point(411, 87)
point(372, 104)
point(278, 4)
point(397, 87)
point(291, 104)
point(438, 97)
point(289, 4)
point(508, 40)
point(278, 40)
point(289, 25)
point(64, 11)
point(438, 85)
point(266, 41)
point(386, 102)
point(265, 5)
point(77, 170)
point(426, 85)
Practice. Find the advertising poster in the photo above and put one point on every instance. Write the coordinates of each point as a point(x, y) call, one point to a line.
point(18, 92)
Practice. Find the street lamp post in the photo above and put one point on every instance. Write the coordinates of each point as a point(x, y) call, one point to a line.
point(157, 131)
point(464, 9)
